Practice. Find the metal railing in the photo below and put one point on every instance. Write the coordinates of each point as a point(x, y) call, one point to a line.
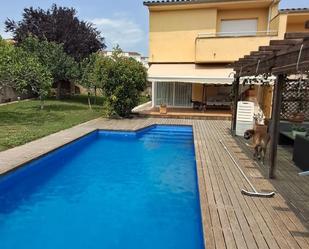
point(239, 34)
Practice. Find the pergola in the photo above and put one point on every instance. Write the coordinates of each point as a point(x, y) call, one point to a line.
point(281, 58)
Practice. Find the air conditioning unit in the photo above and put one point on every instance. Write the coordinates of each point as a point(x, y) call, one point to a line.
point(244, 118)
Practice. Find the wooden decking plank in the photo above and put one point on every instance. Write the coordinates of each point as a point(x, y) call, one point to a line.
point(283, 227)
point(290, 218)
point(206, 218)
point(259, 238)
point(234, 216)
point(265, 230)
point(279, 232)
point(249, 202)
point(240, 216)
point(222, 209)
point(217, 227)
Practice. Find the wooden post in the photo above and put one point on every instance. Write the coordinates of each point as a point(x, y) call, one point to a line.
point(275, 119)
point(234, 115)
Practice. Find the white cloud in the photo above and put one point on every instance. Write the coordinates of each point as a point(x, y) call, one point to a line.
point(4, 34)
point(120, 30)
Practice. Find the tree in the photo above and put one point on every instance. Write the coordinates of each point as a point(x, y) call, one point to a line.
point(6, 54)
point(50, 54)
point(88, 78)
point(60, 25)
point(123, 81)
point(94, 73)
point(20, 70)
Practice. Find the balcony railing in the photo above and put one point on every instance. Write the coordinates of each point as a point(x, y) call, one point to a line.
point(239, 34)
point(225, 47)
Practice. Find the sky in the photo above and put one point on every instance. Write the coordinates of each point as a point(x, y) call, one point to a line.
point(123, 22)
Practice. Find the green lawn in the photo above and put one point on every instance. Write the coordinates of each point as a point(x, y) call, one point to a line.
point(24, 121)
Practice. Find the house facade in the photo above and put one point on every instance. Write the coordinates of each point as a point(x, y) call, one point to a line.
point(192, 43)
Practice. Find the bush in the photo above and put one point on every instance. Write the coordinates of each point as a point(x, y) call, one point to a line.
point(126, 79)
point(121, 80)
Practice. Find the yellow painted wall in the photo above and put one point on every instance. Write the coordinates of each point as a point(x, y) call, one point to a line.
point(173, 33)
point(227, 49)
point(175, 29)
point(296, 22)
point(296, 27)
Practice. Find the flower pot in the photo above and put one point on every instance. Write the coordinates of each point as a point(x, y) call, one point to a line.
point(300, 133)
point(163, 109)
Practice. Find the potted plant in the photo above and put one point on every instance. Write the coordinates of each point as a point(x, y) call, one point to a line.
point(163, 108)
point(299, 130)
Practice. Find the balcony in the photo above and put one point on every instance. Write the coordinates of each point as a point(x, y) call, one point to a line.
point(229, 47)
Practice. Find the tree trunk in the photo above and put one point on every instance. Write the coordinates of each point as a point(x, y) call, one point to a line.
point(41, 103)
point(89, 101)
point(95, 95)
point(58, 92)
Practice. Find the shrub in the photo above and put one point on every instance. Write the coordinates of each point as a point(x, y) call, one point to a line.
point(125, 80)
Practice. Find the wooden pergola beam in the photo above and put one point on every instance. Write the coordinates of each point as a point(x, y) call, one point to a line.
point(290, 42)
point(281, 57)
point(273, 48)
point(296, 35)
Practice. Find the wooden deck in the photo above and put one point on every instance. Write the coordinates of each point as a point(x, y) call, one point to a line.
point(220, 114)
point(230, 220)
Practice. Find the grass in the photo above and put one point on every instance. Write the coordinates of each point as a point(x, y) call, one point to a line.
point(24, 121)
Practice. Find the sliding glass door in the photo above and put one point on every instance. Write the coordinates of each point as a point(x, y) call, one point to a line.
point(173, 94)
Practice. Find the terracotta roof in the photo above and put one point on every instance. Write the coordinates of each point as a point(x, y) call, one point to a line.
point(168, 2)
point(294, 10)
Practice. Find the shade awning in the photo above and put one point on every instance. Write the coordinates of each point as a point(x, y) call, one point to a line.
point(190, 73)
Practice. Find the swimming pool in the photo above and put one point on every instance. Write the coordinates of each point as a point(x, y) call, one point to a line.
point(109, 189)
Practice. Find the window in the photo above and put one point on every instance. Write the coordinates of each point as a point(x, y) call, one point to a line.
point(238, 27)
point(173, 94)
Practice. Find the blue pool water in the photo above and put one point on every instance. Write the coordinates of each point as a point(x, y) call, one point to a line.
point(108, 190)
